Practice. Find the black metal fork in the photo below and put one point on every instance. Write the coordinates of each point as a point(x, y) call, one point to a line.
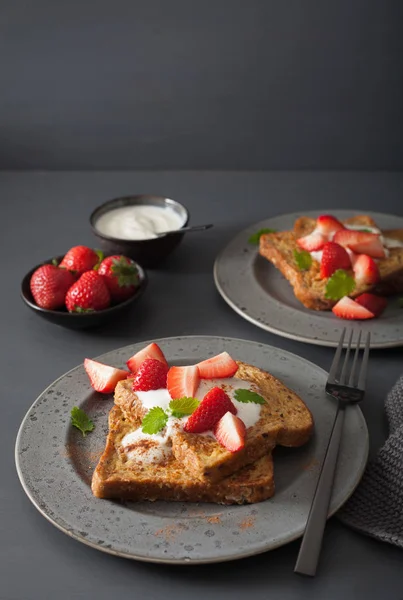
point(345, 391)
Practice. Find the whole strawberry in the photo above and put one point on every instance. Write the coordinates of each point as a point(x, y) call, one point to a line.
point(49, 286)
point(121, 276)
point(80, 259)
point(210, 410)
point(152, 375)
point(89, 293)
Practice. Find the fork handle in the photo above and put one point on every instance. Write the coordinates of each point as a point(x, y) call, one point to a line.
point(308, 555)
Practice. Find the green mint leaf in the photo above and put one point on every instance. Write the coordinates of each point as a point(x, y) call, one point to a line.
point(183, 407)
point(154, 420)
point(303, 259)
point(339, 285)
point(364, 230)
point(247, 396)
point(81, 420)
point(255, 237)
point(400, 302)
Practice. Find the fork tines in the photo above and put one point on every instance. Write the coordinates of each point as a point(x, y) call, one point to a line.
point(342, 378)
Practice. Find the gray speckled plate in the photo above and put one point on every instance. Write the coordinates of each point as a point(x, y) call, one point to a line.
point(257, 291)
point(55, 464)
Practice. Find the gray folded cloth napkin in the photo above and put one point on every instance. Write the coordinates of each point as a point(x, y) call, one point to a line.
point(376, 507)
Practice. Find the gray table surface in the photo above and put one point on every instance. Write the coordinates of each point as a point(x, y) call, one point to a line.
point(43, 214)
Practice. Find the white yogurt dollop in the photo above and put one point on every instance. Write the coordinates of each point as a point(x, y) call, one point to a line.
point(138, 222)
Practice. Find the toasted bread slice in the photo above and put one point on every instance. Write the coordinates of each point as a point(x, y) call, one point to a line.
point(118, 477)
point(308, 286)
point(284, 420)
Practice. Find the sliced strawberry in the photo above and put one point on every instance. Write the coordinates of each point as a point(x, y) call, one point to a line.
point(218, 367)
point(183, 381)
point(312, 242)
point(328, 225)
point(210, 410)
point(375, 304)
point(152, 375)
point(150, 351)
point(346, 308)
point(366, 270)
point(103, 378)
point(230, 432)
point(334, 257)
point(361, 242)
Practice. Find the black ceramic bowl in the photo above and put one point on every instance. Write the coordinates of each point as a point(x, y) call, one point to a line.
point(149, 253)
point(80, 320)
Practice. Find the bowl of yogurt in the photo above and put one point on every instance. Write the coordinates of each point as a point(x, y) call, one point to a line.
point(132, 225)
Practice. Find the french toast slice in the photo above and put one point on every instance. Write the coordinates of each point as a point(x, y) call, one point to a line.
point(284, 420)
point(307, 285)
point(118, 477)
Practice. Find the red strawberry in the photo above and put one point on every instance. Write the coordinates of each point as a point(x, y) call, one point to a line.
point(230, 432)
point(210, 410)
point(361, 242)
point(334, 257)
point(121, 276)
point(87, 294)
point(80, 259)
point(49, 286)
point(328, 225)
point(366, 270)
point(103, 378)
point(150, 351)
point(183, 381)
point(375, 304)
point(152, 375)
point(346, 308)
point(218, 366)
point(312, 242)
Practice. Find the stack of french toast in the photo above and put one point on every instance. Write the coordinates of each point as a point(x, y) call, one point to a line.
point(230, 463)
point(354, 251)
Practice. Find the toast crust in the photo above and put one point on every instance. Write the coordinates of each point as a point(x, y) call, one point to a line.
point(117, 477)
point(308, 286)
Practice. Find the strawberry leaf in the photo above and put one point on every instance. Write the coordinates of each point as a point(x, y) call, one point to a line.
point(81, 420)
point(154, 420)
point(247, 396)
point(126, 272)
point(183, 407)
point(255, 237)
point(303, 259)
point(339, 285)
point(400, 302)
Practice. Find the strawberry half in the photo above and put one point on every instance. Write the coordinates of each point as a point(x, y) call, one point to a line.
point(346, 308)
point(366, 270)
point(334, 257)
point(152, 375)
point(150, 351)
point(219, 366)
point(312, 242)
point(328, 225)
point(375, 304)
point(80, 259)
point(103, 378)
point(183, 381)
point(230, 432)
point(361, 242)
point(210, 410)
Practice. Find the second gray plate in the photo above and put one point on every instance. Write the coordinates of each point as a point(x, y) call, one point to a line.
point(55, 464)
point(258, 292)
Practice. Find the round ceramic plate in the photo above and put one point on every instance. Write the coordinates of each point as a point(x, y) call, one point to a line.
point(257, 291)
point(55, 464)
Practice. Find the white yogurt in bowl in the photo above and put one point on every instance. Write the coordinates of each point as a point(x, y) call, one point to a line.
point(138, 221)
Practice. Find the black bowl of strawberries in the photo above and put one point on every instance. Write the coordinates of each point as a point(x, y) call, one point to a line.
point(82, 289)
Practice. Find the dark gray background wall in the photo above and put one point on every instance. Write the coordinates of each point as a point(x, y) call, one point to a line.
point(213, 84)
